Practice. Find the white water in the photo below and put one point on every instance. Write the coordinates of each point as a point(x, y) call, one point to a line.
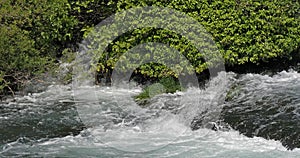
point(200, 143)
point(123, 129)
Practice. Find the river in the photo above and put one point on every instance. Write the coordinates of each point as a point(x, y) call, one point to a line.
point(246, 115)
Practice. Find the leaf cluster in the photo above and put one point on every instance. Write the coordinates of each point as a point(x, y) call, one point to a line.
point(32, 34)
point(244, 32)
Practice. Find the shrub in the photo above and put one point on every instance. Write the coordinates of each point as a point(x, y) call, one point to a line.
point(18, 58)
point(244, 31)
point(33, 33)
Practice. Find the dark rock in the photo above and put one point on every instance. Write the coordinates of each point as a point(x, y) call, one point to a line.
point(37, 122)
point(266, 106)
point(270, 121)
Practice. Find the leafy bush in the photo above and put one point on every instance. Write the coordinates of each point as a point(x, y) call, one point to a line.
point(244, 31)
point(32, 35)
point(18, 57)
point(89, 13)
point(35, 32)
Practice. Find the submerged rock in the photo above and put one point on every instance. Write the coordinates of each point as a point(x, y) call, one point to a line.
point(266, 106)
point(270, 122)
point(28, 122)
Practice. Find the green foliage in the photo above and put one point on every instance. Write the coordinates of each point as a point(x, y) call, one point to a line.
point(51, 26)
point(158, 70)
point(164, 85)
point(170, 84)
point(153, 89)
point(47, 22)
point(244, 31)
point(32, 34)
point(18, 57)
point(89, 13)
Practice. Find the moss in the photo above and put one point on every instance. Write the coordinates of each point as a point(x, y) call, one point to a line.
point(164, 85)
point(232, 92)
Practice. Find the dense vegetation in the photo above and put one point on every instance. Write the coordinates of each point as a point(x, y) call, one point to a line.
point(34, 33)
point(244, 31)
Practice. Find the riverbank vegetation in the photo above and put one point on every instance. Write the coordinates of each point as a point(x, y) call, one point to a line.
point(34, 34)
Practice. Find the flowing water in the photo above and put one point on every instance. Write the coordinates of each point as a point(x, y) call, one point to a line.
point(211, 122)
